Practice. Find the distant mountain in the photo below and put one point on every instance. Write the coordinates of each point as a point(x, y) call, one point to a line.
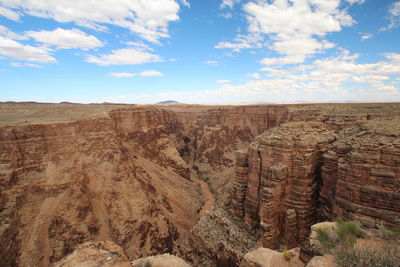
point(167, 102)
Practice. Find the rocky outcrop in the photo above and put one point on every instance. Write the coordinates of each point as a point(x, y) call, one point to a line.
point(106, 253)
point(64, 184)
point(264, 257)
point(217, 240)
point(92, 254)
point(361, 174)
point(280, 181)
point(325, 260)
point(164, 260)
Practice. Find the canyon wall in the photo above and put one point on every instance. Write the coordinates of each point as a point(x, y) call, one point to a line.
point(298, 173)
point(63, 184)
point(277, 182)
point(119, 178)
point(124, 177)
point(361, 174)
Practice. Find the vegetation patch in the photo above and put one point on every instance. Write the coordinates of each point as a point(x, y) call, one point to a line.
point(287, 255)
point(341, 243)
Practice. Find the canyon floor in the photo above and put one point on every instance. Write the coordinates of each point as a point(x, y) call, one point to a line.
point(206, 183)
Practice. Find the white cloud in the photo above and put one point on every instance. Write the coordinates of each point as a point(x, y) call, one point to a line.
point(259, 88)
point(394, 16)
point(292, 59)
point(151, 73)
point(254, 75)
point(122, 74)
point(296, 28)
point(185, 3)
point(19, 64)
point(366, 36)
point(7, 33)
point(16, 50)
point(242, 42)
point(8, 13)
point(148, 19)
point(395, 57)
point(139, 44)
point(147, 73)
point(65, 39)
point(211, 62)
point(126, 56)
point(223, 81)
point(228, 3)
point(356, 1)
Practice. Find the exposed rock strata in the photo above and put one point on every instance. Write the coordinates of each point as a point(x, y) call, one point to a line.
point(217, 240)
point(121, 175)
point(361, 174)
point(64, 184)
point(281, 182)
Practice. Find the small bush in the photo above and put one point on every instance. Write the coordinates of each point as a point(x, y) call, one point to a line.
point(348, 231)
point(324, 238)
point(365, 258)
point(287, 255)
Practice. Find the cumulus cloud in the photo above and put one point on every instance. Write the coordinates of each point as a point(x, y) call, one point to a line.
point(356, 1)
point(8, 13)
point(254, 75)
point(228, 3)
point(148, 19)
point(125, 56)
point(366, 36)
point(139, 44)
point(394, 16)
point(292, 59)
point(151, 73)
point(296, 29)
point(7, 33)
point(20, 64)
point(122, 74)
point(147, 73)
point(15, 50)
point(65, 39)
point(242, 42)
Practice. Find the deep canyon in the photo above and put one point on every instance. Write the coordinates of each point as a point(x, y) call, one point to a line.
point(140, 177)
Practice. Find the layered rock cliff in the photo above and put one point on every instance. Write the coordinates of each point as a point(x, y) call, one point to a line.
point(121, 174)
point(64, 184)
point(277, 182)
point(121, 178)
point(361, 174)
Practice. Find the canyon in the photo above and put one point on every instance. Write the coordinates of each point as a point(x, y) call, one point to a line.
point(205, 183)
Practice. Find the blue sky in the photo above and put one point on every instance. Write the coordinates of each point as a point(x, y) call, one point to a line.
point(199, 51)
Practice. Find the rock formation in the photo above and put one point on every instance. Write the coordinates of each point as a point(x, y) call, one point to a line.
point(361, 174)
point(106, 253)
point(73, 173)
point(277, 182)
point(264, 257)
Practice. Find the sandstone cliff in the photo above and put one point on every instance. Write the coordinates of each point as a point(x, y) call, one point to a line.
point(277, 182)
point(74, 173)
point(361, 174)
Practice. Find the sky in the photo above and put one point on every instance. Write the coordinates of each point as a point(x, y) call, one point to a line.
point(199, 51)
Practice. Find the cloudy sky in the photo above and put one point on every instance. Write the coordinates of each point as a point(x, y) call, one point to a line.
point(199, 51)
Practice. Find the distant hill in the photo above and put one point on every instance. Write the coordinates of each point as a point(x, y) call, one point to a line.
point(167, 102)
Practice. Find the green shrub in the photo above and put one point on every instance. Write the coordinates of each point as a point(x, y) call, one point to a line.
point(356, 257)
point(348, 231)
point(287, 255)
point(324, 238)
